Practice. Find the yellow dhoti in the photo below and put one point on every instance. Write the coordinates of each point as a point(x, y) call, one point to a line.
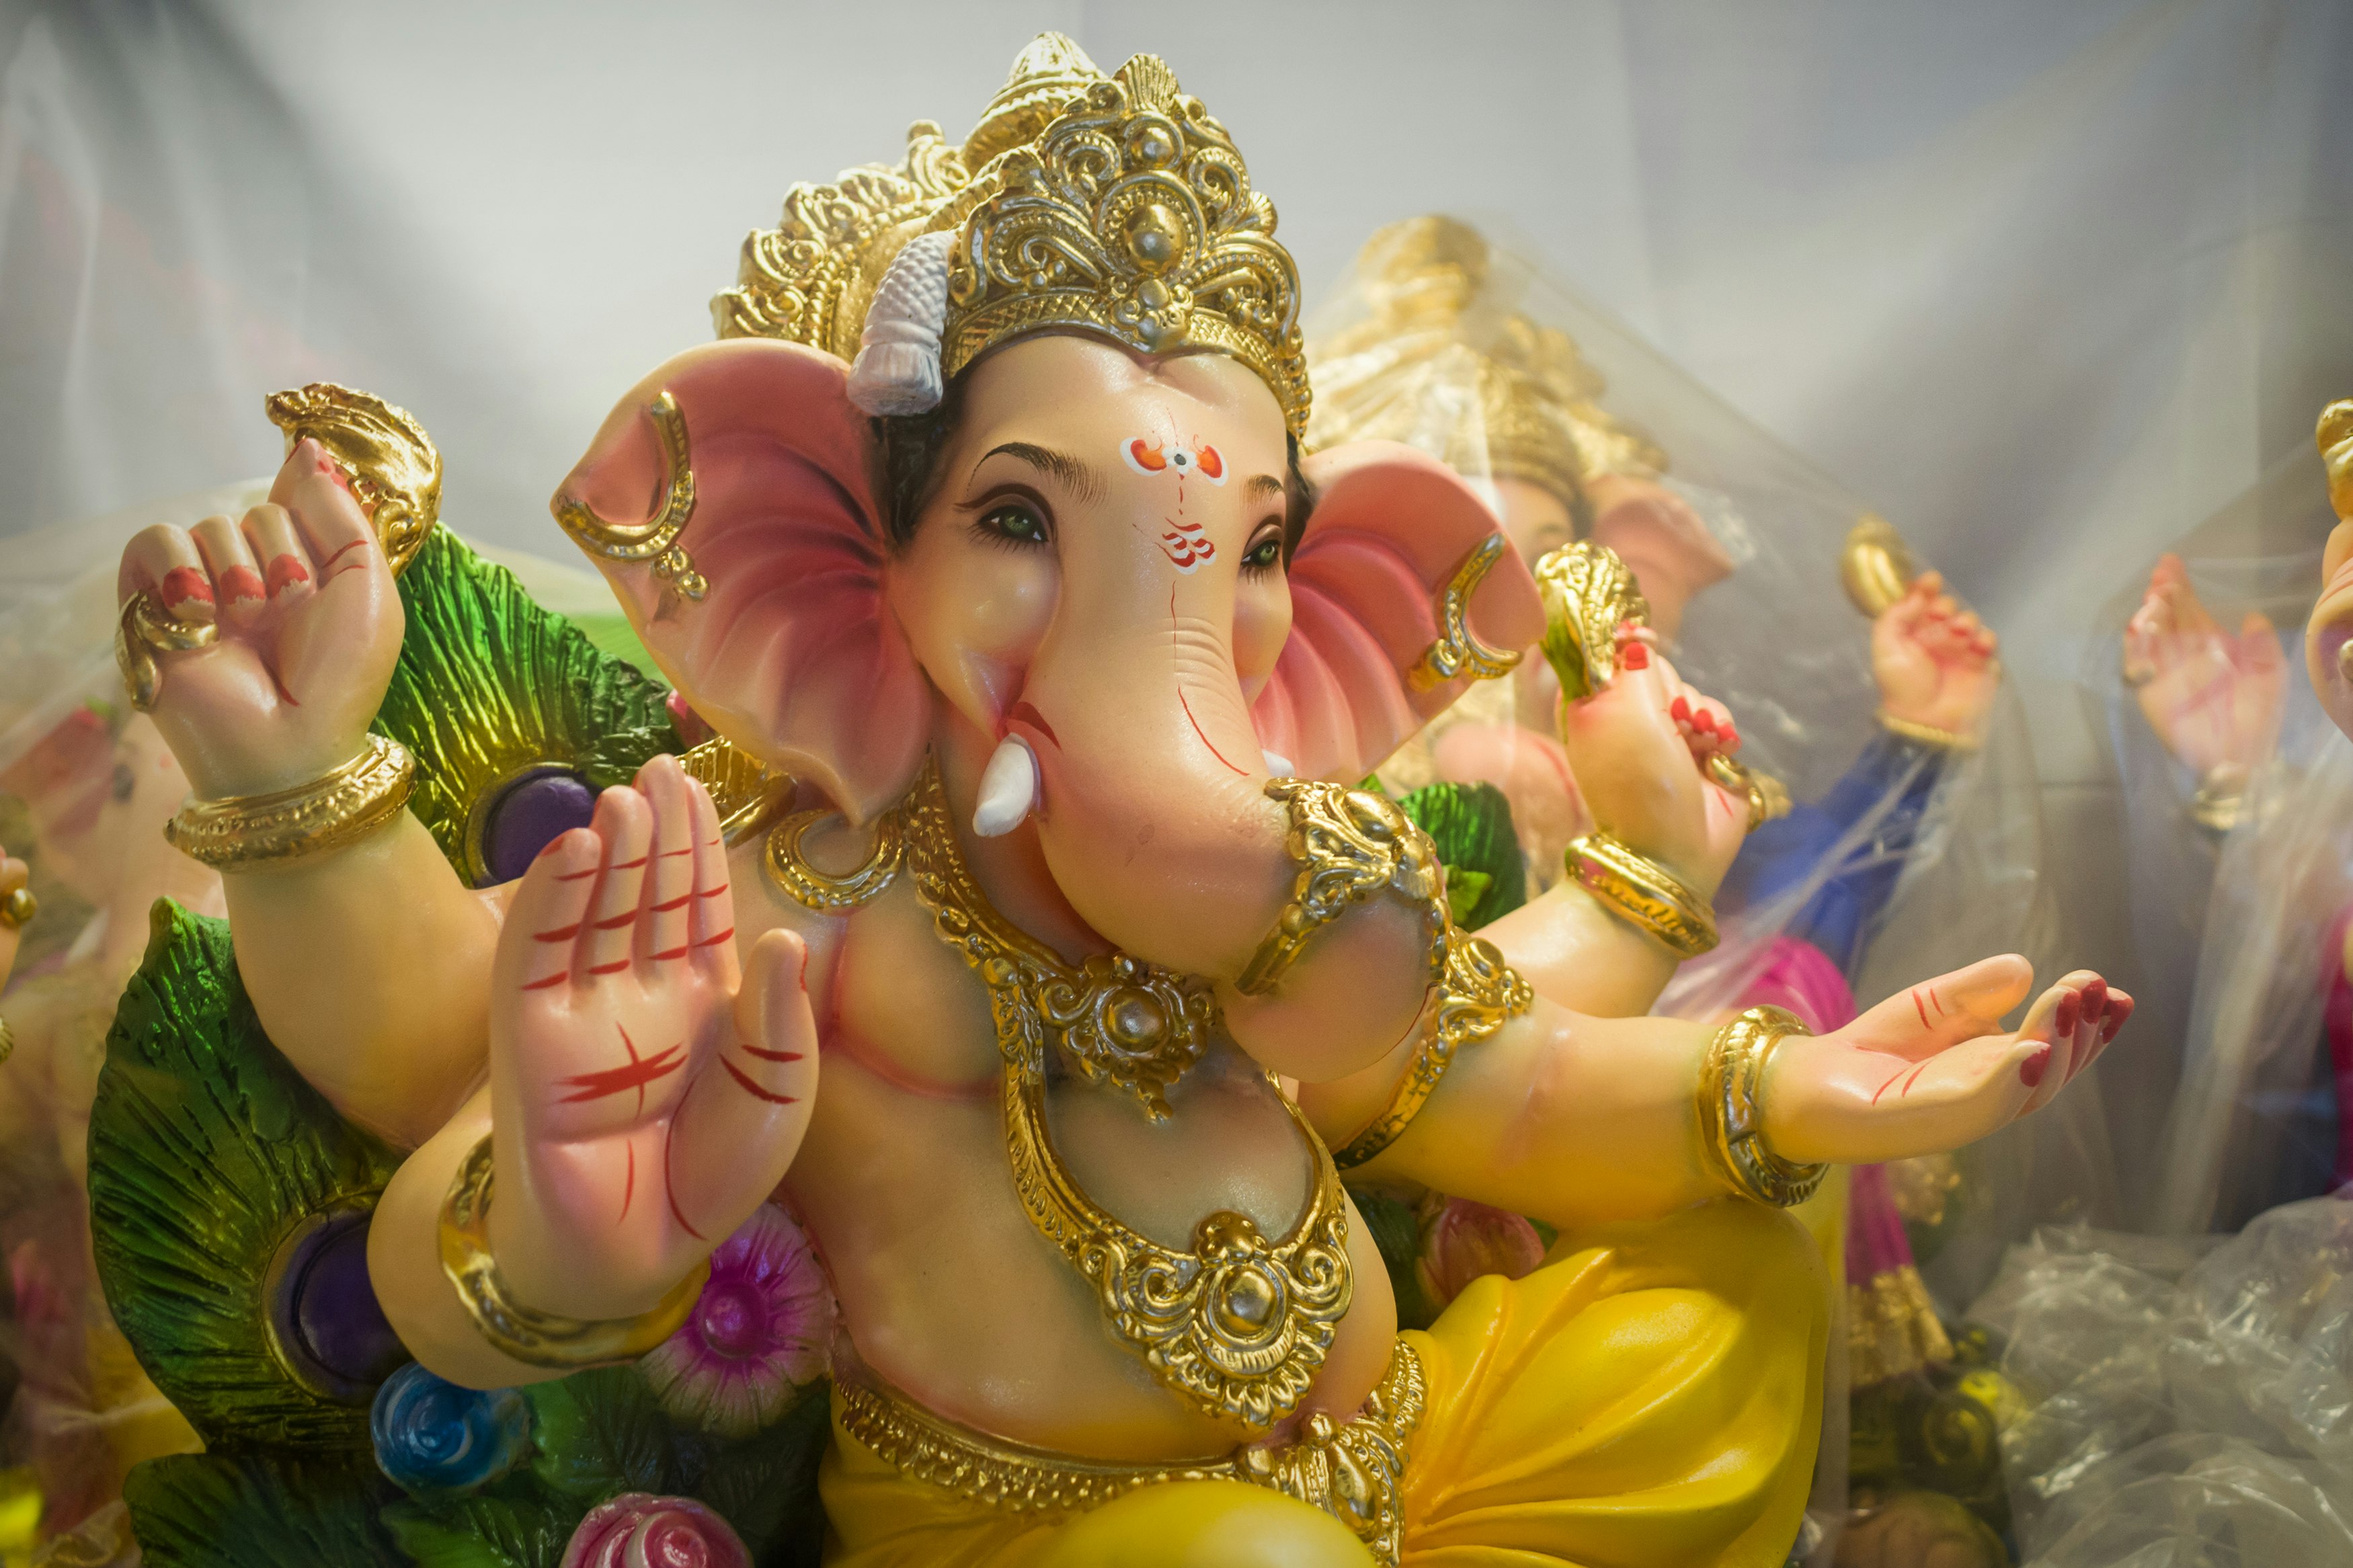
point(1649, 1398)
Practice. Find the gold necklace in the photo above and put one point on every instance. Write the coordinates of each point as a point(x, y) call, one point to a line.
point(1239, 1325)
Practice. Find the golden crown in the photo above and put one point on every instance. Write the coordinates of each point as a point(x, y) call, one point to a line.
point(1112, 205)
point(1432, 335)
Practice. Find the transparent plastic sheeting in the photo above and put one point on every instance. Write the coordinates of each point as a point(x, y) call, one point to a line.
point(2185, 1402)
point(2228, 1109)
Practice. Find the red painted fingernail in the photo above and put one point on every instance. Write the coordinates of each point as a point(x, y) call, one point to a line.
point(2096, 1000)
point(2071, 1013)
point(1634, 655)
point(241, 582)
point(2030, 1072)
point(185, 584)
point(1682, 710)
point(2119, 1009)
point(285, 569)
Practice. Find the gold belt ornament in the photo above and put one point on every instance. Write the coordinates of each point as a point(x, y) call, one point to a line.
point(1350, 1469)
point(1239, 1325)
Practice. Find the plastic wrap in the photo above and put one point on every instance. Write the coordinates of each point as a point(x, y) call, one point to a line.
point(2181, 1401)
point(2235, 913)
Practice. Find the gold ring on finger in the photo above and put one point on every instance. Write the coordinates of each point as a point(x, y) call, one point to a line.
point(146, 630)
point(18, 909)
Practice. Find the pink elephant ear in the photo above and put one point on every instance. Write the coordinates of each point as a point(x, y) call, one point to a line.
point(788, 653)
point(1390, 529)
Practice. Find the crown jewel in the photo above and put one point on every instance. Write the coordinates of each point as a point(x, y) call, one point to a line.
point(1112, 205)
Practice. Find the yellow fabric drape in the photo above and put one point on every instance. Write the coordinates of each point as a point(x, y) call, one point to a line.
point(1649, 1398)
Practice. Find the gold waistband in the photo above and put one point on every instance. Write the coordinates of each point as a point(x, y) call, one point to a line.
point(1352, 1470)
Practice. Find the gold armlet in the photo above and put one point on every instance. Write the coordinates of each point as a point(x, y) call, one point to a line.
point(1642, 893)
point(1732, 1110)
point(1479, 993)
point(522, 1333)
point(1926, 735)
point(828, 894)
point(1768, 797)
point(1349, 845)
point(338, 808)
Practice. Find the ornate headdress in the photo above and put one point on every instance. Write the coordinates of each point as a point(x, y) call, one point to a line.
point(1425, 347)
point(1111, 205)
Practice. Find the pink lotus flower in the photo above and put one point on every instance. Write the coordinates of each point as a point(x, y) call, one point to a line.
point(1466, 1240)
point(755, 1338)
point(639, 1529)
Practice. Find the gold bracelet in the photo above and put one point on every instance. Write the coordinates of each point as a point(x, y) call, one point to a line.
point(18, 909)
point(339, 808)
point(1732, 1110)
point(1349, 845)
point(1927, 734)
point(1642, 893)
point(523, 1333)
point(1479, 993)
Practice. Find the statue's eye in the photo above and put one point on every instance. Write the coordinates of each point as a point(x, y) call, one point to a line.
point(1015, 523)
point(1267, 553)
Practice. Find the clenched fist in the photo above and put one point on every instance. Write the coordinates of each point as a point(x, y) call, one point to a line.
point(309, 628)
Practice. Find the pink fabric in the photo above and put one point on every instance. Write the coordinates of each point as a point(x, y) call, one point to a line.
point(1390, 527)
point(790, 655)
point(1799, 976)
point(2337, 1016)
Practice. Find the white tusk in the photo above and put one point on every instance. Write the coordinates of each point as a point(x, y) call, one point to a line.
point(1008, 788)
point(1277, 765)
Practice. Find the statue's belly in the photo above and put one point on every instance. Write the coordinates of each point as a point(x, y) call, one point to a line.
point(951, 1295)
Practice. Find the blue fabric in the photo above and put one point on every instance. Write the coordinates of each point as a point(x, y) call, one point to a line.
point(1843, 915)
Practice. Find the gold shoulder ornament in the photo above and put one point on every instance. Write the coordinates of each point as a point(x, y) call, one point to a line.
point(1351, 846)
point(828, 894)
point(1480, 994)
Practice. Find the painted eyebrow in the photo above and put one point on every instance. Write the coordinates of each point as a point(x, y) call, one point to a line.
point(1080, 478)
point(1262, 485)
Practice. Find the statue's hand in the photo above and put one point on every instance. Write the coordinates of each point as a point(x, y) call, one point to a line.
point(2213, 698)
point(1930, 1068)
point(1934, 660)
point(1638, 748)
point(645, 1098)
point(308, 629)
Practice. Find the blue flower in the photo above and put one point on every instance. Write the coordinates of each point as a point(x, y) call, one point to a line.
point(432, 1436)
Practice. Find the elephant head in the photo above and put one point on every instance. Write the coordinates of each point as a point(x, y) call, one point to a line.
point(1102, 579)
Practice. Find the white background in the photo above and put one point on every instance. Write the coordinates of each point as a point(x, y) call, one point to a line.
point(2048, 282)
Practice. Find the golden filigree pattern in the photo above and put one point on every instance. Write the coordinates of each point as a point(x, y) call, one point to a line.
point(340, 808)
point(1239, 1324)
point(393, 465)
point(1480, 994)
point(1642, 893)
point(1351, 1470)
point(743, 790)
point(1589, 593)
point(146, 629)
point(811, 889)
point(1349, 845)
point(1732, 1110)
point(1458, 651)
point(656, 539)
point(1131, 216)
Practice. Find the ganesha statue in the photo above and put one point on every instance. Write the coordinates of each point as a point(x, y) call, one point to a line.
point(1027, 951)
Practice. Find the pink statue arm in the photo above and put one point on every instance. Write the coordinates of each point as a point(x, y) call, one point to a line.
point(1580, 1120)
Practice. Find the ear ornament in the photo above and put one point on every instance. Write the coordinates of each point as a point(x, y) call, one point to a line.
point(1457, 652)
point(656, 539)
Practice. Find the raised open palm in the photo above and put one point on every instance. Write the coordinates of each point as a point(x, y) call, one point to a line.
point(1934, 661)
point(2213, 697)
point(645, 1097)
point(309, 628)
point(1932, 1068)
